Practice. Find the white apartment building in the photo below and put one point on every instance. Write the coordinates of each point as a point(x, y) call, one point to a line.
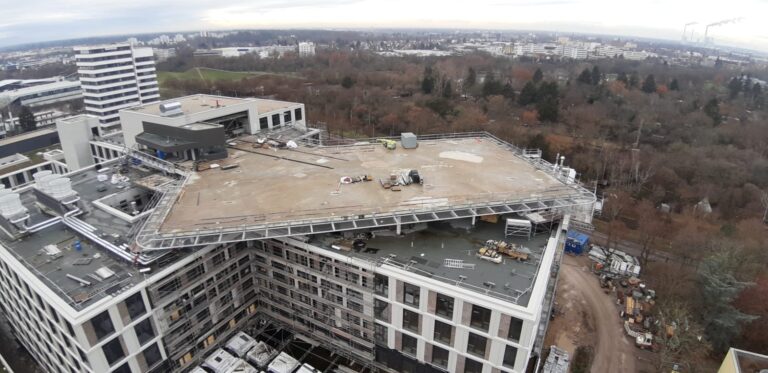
point(137, 264)
point(306, 49)
point(114, 77)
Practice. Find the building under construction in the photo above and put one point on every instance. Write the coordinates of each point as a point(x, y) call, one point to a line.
point(417, 258)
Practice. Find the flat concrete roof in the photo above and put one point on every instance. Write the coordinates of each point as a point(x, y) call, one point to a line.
point(83, 263)
point(265, 106)
point(423, 251)
point(278, 185)
point(191, 104)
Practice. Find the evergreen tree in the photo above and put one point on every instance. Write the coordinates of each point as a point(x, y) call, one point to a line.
point(27, 119)
point(595, 75)
point(674, 85)
point(471, 78)
point(649, 85)
point(537, 76)
point(527, 94)
point(585, 77)
point(623, 78)
point(347, 82)
point(508, 92)
point(548, 109)
point(712, 110)
point(757, 95)
point(428, 82)
point(548, 102)
point(719, 287)
point(447, 89)
point(734, 87)
point(634, 80)
point(491, 86)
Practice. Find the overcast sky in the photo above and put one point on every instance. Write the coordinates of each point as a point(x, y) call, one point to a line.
point(23, 21)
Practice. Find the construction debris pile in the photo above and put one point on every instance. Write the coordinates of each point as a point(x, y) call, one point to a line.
point(400, 178)
point(494, 250)
point(614, 262)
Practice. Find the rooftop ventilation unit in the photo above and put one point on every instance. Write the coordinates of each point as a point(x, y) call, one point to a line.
point(170, 109)
point(11, 207)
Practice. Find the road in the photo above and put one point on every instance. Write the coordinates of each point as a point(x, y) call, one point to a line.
point(613, 350)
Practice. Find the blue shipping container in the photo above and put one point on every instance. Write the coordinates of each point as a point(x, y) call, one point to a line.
point(576, 242)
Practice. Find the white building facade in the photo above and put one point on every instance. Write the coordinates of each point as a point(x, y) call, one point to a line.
point(114, 77)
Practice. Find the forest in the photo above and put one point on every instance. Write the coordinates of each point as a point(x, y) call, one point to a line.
point(679, 154)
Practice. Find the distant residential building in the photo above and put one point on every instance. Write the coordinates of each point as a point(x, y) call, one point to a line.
point(163, 54)
point(133, 41)
point(575, 52)
point(114, 77)
point(306, 49)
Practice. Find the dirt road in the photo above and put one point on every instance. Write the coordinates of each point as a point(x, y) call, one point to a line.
point(586, 316)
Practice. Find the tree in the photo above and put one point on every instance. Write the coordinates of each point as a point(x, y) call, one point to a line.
point(548, 102)
point(428, 82)
point(471, 78)
point(508, 92)
point(734, 87)
point(757, 95)
point(347, 82)
point(623, 78)
point(754, 300)
point(718, 288)
point(674, 85)
point(686, 341)
point(634, 80)
point(27, 119)
point(585, 77)
point(649, 85)
point(527, 94)
point(491, 86)
point(447, 89)
point(548, 110)
point(712, 110)
point(596, 75)
point(651, 225)
point(537, 76)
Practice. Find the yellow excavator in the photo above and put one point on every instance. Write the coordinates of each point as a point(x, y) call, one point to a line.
point(389, 144)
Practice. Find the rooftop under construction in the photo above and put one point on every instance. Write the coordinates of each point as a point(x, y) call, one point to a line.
point(267, 192)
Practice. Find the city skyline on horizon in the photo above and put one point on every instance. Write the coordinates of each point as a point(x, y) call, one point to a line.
point(36, 21)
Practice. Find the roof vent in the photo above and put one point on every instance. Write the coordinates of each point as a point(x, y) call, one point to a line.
point(170, 109)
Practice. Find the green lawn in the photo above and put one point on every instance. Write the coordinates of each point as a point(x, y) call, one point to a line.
point(207, 74)
point(213, 75)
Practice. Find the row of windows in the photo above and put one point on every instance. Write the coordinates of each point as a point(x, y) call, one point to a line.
point(110, 89)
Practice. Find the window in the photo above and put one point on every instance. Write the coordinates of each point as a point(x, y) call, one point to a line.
point(411, 321)
point(440, 357)
point(263, 123)
point(113, 351)
point(515, 328)
point(443, 332)
point(409, 344)
point(411, 294)
point(276, 120)
point(135, 306)
point(297, 114)
point(287, 117)
point(472, 366)
point(381, 310)
point(125, 368)
point(102, 325)
point(152, 355)
point(380, 334)
point(381, 285)
point(481, 317)
point(444, 306)
point(510, 354)
point(144, 331)
point(476, 344)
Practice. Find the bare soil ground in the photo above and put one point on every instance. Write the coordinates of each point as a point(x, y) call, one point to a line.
point(587, 316)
